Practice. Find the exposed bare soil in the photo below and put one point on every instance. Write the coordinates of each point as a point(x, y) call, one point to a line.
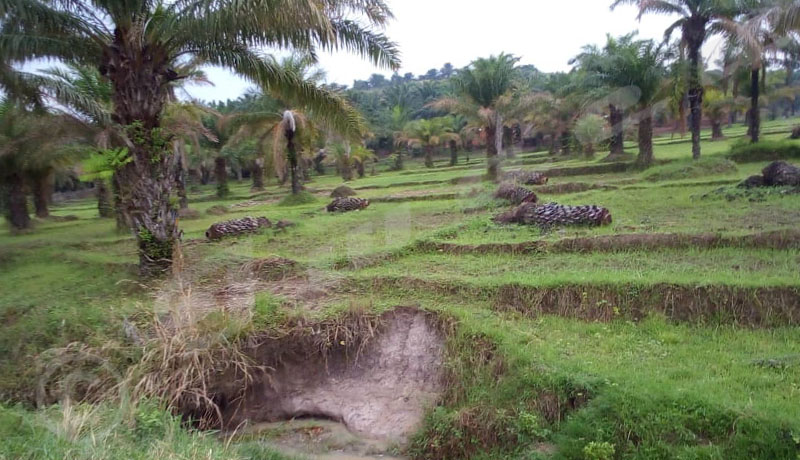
point(381, 391)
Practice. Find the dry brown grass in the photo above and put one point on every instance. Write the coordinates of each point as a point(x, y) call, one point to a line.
point(203, 368)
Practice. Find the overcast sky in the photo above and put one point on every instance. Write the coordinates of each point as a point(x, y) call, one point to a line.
point(545, 33)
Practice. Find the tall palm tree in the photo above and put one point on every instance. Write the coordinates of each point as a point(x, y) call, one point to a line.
point(636, 68)
point(482, 91)
point(136, 44)
point(293, 127)
point(86, 94)
point(606, 76)
point(698, 20)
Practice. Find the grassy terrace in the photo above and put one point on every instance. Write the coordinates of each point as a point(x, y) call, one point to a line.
point(685, 351)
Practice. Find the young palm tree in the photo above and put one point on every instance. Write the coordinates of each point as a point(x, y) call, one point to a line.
point(136, 44)
point(698, 19)
point(483, 91)
point(427, 135)
point(716, 105)
point(590, 129)
point(360, 156)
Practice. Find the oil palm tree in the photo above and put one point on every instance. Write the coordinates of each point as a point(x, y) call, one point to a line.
point(360, 156)
point(716, 105)
point(88, 95)
point(482, 90)
point(427, 135)
point(626, 71)
point(604, 78)
point(33, 144)
point(292, 136)
point(137, 44)
point(590, 129)
point(698, 20)
point(292, 128)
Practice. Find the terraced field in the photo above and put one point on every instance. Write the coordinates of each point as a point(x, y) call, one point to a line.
point(670, 333)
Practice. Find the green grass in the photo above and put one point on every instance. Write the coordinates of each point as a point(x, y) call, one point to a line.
point(766, 150)
point(690, 170)
point(726, 266)
point(298, 199)
point(657, 388)
point(86, 432)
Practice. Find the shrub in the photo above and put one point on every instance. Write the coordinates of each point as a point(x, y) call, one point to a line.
point(764, 151)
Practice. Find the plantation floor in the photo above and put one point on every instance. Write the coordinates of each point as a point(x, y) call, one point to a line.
point(671, 333)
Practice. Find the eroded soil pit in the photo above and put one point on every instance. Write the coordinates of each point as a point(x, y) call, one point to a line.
point(379, 389)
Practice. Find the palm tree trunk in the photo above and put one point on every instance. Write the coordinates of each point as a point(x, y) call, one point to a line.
point(221, 175)
point(646, 137)
point(716, 130)
point(205, 175)
point(120, 213)
point(565, 143)
point(141, 81)
point(615, 118)
point(41, 193)
point(588, 150)
point(17, 202)
point(453, 153)
point(554, 140)
point(499, 134)
point(147, 190)
point(755, 113)
point(258, 174)
point(291, 153)
point(180, 179)
point(429, 156)
point(493, 162)
point(104, 207)
point(508, 141)
point(695, 41)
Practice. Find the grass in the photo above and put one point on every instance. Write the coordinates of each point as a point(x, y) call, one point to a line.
point(766, 150)
point(725, 266)
point(526, 381)
point(84, 432)
point(300, 198)
point(690, 170)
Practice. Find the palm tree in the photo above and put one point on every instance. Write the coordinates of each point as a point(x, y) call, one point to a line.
point(590, 129)
point(31, 145)
point(458, 124)
point(605, 76)
point(427, 135)
point(360, 156)
point(87, 94)
point(716, 105)
point(755, 35)
point(482, 90)
point(555, 115)
point(293, 135)
point(137, 44)
point(698, 19)
point(266, 117)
